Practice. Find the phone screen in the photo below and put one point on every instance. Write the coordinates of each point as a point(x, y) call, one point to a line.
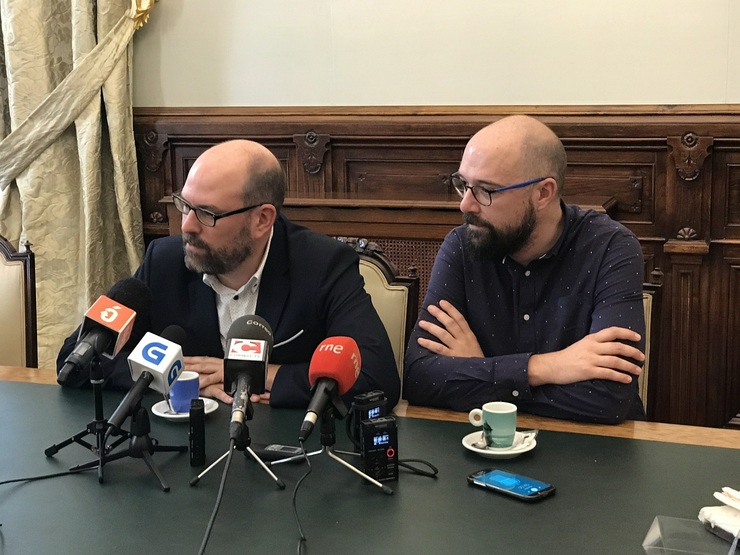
point(515, 485)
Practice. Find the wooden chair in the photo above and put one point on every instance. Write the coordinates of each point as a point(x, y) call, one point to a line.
point(650, 304)
point(395, 297)
point(18, 341)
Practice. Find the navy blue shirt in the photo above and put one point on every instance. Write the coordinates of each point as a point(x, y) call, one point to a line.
point(590, 280)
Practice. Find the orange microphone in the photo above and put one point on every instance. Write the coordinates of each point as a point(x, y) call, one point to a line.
point(108, 324)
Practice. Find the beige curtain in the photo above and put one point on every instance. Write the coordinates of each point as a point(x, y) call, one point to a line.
point(68, 178)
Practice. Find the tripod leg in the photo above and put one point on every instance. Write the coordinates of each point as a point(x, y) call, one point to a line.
point(155, 470)
point(385, 488)
point(54, 449)
point(108, 459)
point(296, 457)
point(207, 470)
point(277, 480)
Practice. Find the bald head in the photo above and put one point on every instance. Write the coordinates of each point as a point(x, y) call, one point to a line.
point(242, 167)
point(522, 146)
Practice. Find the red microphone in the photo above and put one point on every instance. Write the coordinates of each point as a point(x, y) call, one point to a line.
point(334, 368)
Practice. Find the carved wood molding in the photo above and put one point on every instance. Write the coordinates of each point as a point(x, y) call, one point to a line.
point(311, 148)
point(152, 147)
point(689, 152)
point(685, 246)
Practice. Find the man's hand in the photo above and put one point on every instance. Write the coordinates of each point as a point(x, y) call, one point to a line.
point(595, 357)
point(211, 371)
point(456, 338)
point(269, 379)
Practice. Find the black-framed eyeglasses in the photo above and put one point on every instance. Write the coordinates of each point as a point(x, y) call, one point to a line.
point(206, 217)
point(482, 194)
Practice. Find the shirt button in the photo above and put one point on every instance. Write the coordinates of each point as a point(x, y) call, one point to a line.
point(515, 393)
point(526, 317)
point(527, 273)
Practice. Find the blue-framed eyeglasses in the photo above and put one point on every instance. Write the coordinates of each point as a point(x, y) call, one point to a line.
point(206, 217)
point(482, 194)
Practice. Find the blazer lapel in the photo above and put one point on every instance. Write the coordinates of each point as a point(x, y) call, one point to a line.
point(275, 284)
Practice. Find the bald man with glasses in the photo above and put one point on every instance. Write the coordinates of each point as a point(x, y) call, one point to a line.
point(237, 255)
point(531, 300)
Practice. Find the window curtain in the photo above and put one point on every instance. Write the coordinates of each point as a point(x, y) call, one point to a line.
point(68, 175)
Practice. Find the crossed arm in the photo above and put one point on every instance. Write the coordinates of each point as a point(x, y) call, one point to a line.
point(598, 356)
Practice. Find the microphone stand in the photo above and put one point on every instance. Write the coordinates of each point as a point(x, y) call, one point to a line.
point(141, 446)
point(242, 443)
point(97, 427)
point(329, 439)
point(336, 409)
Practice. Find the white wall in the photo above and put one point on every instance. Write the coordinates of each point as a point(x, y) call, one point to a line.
point(437, 52)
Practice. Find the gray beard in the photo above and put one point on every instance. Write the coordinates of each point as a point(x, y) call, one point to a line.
point(216, 261)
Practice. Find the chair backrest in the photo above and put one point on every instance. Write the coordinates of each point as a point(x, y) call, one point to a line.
point(395, 297)
point(18, 342)
point(650, 300)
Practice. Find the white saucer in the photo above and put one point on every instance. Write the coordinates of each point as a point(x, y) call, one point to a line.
point(162, 410)
point(506, 453)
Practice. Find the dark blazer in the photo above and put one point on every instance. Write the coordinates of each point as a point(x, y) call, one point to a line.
point(310, 282)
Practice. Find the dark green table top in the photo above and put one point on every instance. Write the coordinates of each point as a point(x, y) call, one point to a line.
point(609, 490)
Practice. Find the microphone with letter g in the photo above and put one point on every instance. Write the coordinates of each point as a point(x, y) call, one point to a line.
point(159, 356)
point(334, 368)
point(108, 324)
point(248, 348)
point(156, 362)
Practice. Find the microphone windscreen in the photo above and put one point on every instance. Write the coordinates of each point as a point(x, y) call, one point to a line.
point(337, 358)
point(134, 294)
point(251, 327)
point(175, 334)
point(248, 349)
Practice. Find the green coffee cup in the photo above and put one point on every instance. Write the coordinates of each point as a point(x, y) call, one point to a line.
point(498, 419)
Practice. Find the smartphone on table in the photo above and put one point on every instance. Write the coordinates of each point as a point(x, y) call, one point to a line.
point(513, 485)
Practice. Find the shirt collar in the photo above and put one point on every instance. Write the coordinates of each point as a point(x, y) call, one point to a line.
point(568, 217)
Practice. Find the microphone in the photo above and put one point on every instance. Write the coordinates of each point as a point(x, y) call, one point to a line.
point(334, 368)
point(108, 324)
point(248, 348)
point(156, 362)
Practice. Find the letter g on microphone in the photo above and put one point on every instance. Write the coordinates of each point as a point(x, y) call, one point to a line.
point(174, 372)
point(154, 352)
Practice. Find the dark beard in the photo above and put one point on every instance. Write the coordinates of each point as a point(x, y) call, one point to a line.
point(218, 261)
point(494, 244)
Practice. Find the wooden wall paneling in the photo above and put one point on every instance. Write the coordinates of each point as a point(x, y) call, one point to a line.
point(627, 175)
point(725, 305)
point(670, 173)
point(688, 345)
point(401, 167)
point(726, 353)
point(726, 191)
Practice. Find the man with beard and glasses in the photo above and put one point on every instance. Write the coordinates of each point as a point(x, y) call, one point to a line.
point(238, 255)
point(531, 301)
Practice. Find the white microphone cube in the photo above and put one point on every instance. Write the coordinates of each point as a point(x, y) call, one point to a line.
point(160, 357)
